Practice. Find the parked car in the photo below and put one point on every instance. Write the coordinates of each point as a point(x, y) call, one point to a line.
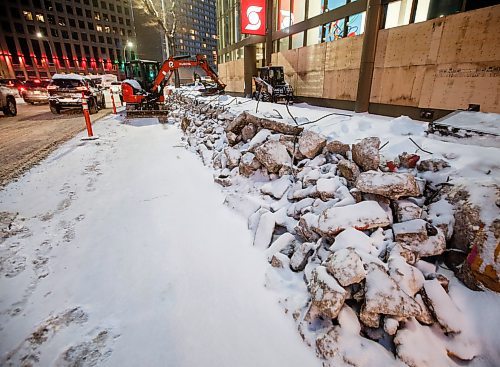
point(104, 80)
point(35, 91)
point(14, 84)
point(65, 91)
point(8, 101)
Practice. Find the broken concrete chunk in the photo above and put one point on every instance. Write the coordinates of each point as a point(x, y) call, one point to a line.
point(327, 296)
point(248, 132)
point(311, 143)
point(279, 260)
point(409, 278)
point(366, 153)
point(363, 215)
point(346, 266)
point(368, 318)
point(265, 229)
point(327, 187)
point(425, 317)
point(232, 138)
point(273, 155)
point(391, 325)
point(406, 210)
point(353, 238)
point(441, 306)
point(410, 232)
point(282, 244)
point(337, 147)
point(248, 164)
point(432, 246)
point(276, 188)
point(384, 296)
point(433, 165)
point(233, 157)
point(302, 253)
point(349, 170)
point(388, 184)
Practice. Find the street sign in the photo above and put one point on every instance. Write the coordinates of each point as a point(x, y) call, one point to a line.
point(253, 17)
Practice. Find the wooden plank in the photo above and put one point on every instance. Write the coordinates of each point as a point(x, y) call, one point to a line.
point(344, 53)
point(472, 36)
point(397, 85)
point(456, 86)
point(409, 45)
point(310, 84)
point(341, 84)
point(311, 58)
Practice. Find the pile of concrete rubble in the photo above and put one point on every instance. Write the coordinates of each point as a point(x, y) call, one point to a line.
point(365, 235)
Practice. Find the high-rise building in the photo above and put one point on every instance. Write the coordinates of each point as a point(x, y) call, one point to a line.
point(196, 29)
point(41, 37)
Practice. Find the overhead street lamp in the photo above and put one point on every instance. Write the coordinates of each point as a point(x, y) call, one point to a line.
point(40, 36)
point(129, 45)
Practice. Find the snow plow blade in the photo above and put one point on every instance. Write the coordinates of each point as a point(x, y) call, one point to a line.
point(162, 115)
point(147, 113)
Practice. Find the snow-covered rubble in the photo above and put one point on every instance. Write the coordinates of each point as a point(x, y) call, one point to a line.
point(363, 226)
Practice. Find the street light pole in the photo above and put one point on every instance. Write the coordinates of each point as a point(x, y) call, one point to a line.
point(40, 36)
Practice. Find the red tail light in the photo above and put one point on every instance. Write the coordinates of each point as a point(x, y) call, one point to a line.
point(82, 88)
point(52, 87)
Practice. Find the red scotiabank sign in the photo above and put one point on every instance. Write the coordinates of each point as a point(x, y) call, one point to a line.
point(253, 17)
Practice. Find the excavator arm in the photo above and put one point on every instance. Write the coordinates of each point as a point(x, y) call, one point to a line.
point(171, 64)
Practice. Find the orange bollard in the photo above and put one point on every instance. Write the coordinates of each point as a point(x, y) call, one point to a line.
point(86, 114)
point(113, 100)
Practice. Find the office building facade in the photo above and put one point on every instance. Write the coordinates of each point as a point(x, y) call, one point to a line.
point(420, 58)
point(43, 37)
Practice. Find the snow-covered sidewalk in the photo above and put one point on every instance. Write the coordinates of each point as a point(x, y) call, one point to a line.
point(123, 254)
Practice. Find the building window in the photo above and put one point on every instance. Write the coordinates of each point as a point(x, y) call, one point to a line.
point(72, 23)
point(397, 13)
point(55, 32)
point(101, 39)
point(84, 37)
point(79, 12)
point(19, 27)
point(48, 5)
point(62, 22)
point(107, 29)
point(81, 25)
point(69, 9)
point(97, 15)
point(11, 45)
point(99, 28)
point(65, 35)
point(40, 18)
point(92, 38)
point(27, 15)
point(90, 26)
point(59, 7)
point(88, 13)
point(6, 26)
point(31, 29)
point(37, 4)
point(26, 51)
point(15, 13)
point(104, 5)
point(74, 35)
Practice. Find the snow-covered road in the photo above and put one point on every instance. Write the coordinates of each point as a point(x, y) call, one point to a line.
point(128, 257)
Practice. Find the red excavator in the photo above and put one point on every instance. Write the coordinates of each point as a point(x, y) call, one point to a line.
point(143, 89)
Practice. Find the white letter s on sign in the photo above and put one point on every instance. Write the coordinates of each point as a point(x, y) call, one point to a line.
point(253, 18)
